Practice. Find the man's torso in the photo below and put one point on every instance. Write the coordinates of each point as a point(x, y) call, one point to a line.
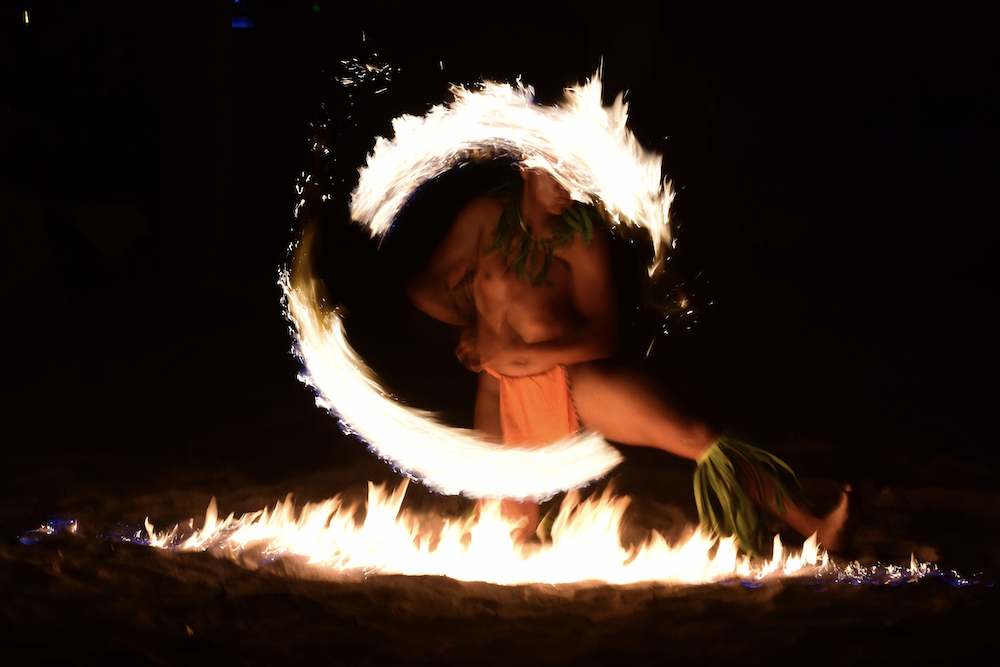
point(508, 305)
point(536, 313)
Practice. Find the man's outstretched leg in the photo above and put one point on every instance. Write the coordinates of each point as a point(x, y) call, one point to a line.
point(628, 407)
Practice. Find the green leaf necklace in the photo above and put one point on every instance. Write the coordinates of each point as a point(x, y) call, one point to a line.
point(531, 251)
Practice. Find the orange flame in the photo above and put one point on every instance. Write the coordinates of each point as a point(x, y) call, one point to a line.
point(584, 544)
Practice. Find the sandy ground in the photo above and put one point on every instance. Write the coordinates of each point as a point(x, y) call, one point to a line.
point(119, 423)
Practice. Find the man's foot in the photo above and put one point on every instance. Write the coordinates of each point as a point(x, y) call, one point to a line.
point(836, 529)
point(522, 515)
point(525, 514)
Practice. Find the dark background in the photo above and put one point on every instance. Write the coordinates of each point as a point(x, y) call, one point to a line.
point(835, 170)
point(837, 213)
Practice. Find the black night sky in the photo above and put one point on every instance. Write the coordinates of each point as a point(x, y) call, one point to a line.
point(836, 169)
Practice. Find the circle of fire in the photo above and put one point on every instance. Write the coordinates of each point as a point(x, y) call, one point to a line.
point(590, 151)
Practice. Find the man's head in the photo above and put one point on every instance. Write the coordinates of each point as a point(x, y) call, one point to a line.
point(542, 188)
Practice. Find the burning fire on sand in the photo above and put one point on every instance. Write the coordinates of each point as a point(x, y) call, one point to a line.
point(585, 544)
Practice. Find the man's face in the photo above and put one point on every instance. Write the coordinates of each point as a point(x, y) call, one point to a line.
point(546, 191)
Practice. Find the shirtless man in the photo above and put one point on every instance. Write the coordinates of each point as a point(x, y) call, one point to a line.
point(561, 313)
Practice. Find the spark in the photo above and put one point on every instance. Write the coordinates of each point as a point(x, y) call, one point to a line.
point(359, 72)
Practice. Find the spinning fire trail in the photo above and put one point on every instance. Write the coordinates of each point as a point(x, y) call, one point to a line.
point(492, 120)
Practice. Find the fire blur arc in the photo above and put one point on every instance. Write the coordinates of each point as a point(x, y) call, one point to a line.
point(447, 459)
point(590, 151)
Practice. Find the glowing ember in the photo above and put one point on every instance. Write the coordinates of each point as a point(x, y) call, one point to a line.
point(584, 544)
point(55, 526)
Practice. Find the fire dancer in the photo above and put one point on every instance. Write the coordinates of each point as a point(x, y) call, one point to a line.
point(527, 278)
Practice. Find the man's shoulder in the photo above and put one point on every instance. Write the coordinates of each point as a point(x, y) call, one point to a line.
point(481, 212)
point(489, 207)
point(590, 250)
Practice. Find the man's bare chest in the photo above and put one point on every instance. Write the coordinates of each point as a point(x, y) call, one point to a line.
point(535, 311)
point(496, 272)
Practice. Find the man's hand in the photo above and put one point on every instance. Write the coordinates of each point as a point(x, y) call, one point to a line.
point(467, 350)
point(503, 351)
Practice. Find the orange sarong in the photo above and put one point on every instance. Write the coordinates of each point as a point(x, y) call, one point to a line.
point(536, 410)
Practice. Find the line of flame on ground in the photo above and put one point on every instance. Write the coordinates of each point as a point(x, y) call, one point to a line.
point(584, 545)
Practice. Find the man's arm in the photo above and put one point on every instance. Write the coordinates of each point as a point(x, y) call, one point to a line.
point(444, 289)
